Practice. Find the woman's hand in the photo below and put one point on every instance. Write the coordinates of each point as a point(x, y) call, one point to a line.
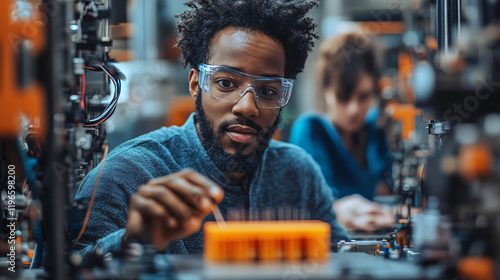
point(357, 212)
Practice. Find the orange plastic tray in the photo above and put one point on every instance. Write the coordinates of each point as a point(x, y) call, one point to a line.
point(266, 241)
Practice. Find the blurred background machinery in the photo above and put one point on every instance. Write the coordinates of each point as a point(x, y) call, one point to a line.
point(65, 102)
point(56, 94)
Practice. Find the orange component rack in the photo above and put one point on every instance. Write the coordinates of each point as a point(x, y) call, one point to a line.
point(16, 100)
point(266, 241)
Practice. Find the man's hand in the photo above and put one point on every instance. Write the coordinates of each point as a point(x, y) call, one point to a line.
point(357, 212)
point(171, 207)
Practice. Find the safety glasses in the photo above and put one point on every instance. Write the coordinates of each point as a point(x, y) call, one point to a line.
point(230, 85)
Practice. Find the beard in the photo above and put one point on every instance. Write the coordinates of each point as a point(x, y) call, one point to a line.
point(237, 163)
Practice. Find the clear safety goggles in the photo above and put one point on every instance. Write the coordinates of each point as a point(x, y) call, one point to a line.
point(230, 85)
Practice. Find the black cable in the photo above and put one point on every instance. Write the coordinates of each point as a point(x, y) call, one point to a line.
point(110, 108)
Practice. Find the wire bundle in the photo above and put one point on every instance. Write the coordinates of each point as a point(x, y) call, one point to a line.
point(114, 76)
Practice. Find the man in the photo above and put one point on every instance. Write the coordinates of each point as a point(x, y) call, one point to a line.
point(163, 185)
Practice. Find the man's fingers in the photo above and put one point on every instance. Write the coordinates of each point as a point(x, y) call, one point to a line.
point(169, 201)
point(156, 233)
point(197, 197)
point(209, 186)
point(135, 223)
point(147, 205)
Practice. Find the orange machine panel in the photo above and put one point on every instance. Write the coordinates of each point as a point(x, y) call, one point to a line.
point(405, 113)
point(15, 100)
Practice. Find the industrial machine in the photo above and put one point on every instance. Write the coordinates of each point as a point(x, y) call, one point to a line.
point(451, 50)
point(55, 91)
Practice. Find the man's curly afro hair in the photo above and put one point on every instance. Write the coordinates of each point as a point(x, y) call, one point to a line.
point(284, 20)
